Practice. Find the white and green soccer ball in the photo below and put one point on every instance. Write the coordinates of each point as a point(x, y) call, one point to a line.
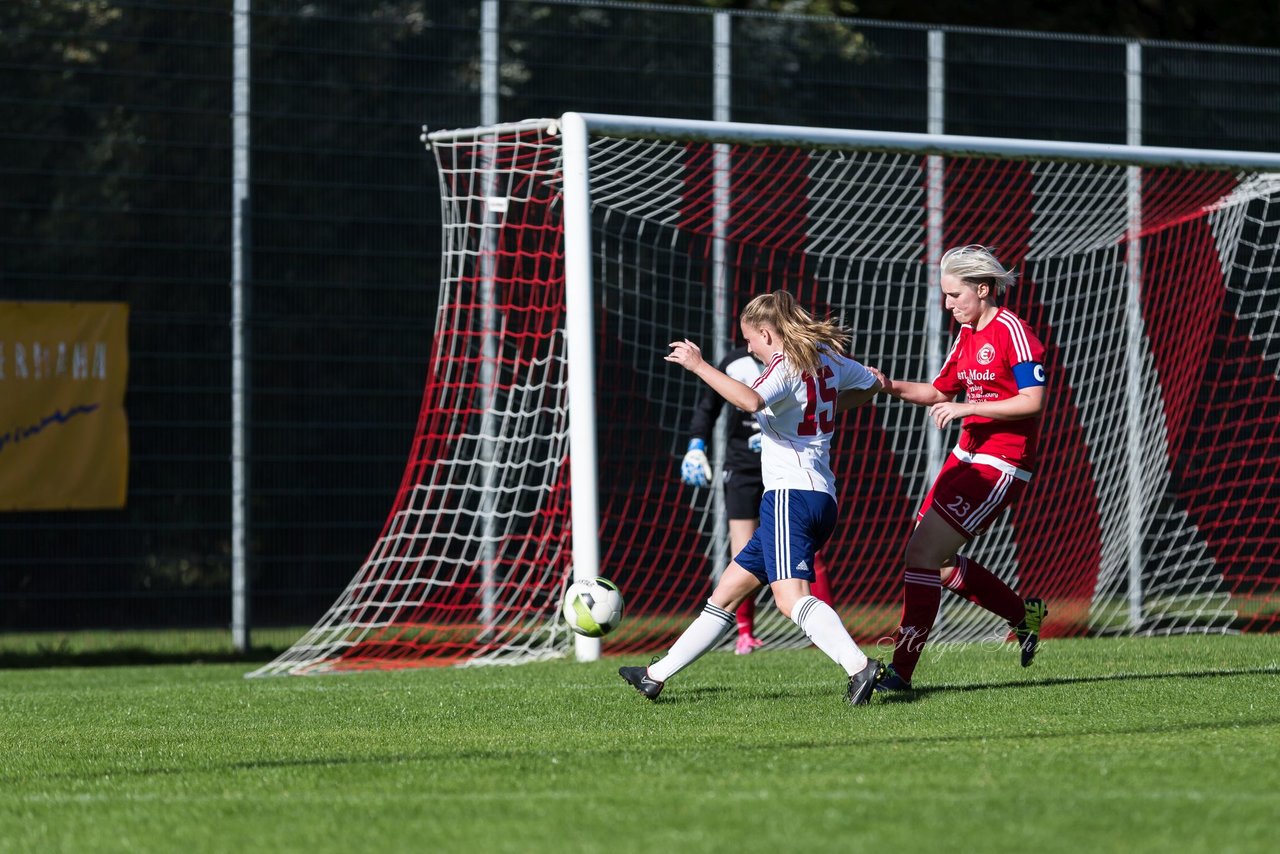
point(592, 607)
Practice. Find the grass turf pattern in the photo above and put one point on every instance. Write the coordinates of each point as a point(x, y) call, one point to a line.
point(1135, 744)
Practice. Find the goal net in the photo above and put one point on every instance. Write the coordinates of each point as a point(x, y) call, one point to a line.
point(1148, 273)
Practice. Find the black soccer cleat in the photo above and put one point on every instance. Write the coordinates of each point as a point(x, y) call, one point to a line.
point(863, 683)
point(639, 679)
point(1028, 631)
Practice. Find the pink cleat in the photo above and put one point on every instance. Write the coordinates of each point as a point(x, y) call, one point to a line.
point(747, 644)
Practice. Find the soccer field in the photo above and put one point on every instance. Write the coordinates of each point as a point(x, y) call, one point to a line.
point(1139, 744)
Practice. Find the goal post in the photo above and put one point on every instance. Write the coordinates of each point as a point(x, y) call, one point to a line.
point(580, 332)
point(550, 434)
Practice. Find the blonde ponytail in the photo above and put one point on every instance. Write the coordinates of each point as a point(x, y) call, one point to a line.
point(804, 336)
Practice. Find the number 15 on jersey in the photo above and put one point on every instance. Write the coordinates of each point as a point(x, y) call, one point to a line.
point(820, 410)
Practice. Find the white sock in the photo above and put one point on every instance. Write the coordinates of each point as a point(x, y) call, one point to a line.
point(703, 633)
point(817, 620)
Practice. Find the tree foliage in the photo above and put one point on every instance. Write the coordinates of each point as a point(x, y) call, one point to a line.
point(1254, 23)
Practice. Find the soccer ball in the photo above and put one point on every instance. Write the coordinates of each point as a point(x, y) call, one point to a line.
point(592, 607)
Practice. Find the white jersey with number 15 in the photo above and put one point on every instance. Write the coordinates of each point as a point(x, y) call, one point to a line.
point(799, 418)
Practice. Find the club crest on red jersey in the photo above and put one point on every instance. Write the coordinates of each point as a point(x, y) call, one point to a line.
point(986, 354)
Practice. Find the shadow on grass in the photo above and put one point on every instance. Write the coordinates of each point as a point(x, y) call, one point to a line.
point(703, 693)
point(1106, 677)
point(127, 656)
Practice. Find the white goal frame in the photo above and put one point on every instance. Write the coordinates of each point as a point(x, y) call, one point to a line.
point(577, 129)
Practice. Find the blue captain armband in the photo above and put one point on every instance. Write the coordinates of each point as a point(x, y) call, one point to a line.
point(1029, 374)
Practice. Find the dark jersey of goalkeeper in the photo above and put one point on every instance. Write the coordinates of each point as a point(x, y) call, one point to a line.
point(742, 450)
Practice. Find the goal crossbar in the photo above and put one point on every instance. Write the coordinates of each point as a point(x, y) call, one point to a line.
point(921, 144)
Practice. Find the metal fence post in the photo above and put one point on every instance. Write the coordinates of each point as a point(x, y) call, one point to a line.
point(239, 333)
point(1133, 358)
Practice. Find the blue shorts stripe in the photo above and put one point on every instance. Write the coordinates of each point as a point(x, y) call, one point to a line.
point(780, 531)
point(794, 524)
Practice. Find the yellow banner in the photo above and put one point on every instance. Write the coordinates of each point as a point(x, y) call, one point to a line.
point(64, 438)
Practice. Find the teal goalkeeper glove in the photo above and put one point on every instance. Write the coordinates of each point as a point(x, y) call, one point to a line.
point(695, 470)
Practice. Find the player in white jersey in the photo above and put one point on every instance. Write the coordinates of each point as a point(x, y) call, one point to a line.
point(795, 400)
point(741, 485)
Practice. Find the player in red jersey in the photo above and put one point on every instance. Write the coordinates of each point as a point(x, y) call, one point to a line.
point(997, 363)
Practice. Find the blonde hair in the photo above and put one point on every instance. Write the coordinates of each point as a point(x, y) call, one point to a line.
point(804, 336)
point(974, 265)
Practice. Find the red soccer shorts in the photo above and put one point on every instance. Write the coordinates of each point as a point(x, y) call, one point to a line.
point(970, 495)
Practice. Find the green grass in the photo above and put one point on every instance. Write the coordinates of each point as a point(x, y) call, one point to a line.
point(1165, 744)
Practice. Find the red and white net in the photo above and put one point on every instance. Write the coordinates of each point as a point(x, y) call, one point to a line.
point(1153, 508)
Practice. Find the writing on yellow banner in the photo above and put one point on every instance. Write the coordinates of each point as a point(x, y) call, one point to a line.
point(64, 438)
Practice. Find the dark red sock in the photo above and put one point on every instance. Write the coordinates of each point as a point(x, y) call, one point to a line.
point(976, 583)
point(820, 586)
point(746, 616)
point(921, 593)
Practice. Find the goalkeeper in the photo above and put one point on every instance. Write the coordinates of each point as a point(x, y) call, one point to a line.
point(743, 486)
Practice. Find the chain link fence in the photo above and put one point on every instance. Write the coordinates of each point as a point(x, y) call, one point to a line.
point(117, 165)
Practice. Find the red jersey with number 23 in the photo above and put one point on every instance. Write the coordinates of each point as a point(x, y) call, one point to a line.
point(993, 364)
